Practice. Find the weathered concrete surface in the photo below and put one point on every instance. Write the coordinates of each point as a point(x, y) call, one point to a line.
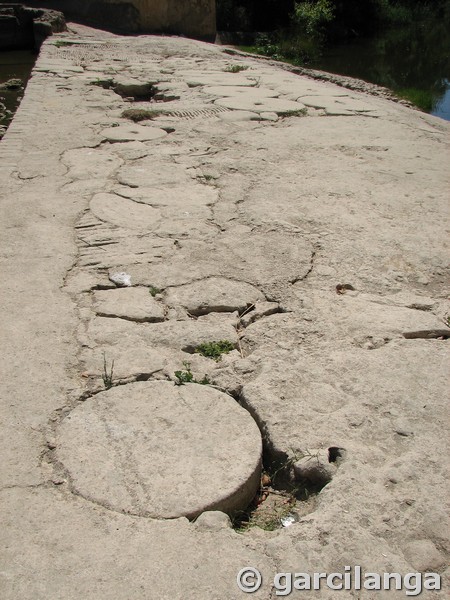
point(330, 219)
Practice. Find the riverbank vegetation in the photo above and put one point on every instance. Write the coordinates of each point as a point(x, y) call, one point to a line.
point(400, 44)
point(298, 31)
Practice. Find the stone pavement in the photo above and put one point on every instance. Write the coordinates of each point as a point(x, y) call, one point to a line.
point(300, 222)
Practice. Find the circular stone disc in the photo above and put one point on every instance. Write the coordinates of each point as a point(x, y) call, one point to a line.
point(164, 451)
point(132, 133)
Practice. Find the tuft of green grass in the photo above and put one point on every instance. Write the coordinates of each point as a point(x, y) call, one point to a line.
point(207, 177)
point(235, 68)
point(294, 113)
point(140, 114)
point(423, 99)
point(215, 350)
point(153, 290)
point(62, 43)
point(187, 376)
point(107, 375)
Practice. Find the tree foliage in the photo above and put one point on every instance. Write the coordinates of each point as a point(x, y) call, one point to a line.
point(313, 16)
point(333, 18)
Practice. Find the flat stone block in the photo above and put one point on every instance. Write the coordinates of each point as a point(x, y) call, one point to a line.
point(214, 295)
point(133, 303)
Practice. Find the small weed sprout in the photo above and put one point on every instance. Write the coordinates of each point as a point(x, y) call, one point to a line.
point(107, 376)
point(206, 178)
point(153, 290)
point(215, 350)
point(187, 376)
point(235, 69)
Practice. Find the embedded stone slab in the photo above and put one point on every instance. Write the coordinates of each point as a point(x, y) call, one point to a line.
point(91, 163)
point(337, 105)
point(194, 79)
point(128, 86)
point(130, 361)
point(131, 150)
point(261, 259)
point(179, 334)
point(226, 91)
point(260, 104)
point(158, 450)
point(180, 198)
point(365, 320)
point(135, 360)
point(124, 212)
point(152, 171)
point(236, 116)
point(132, 133)
point(133, 303)
point(214, 295)
point(184, 209)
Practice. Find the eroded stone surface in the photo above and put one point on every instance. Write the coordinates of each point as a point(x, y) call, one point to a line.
point(158, 450)
point(105, 538)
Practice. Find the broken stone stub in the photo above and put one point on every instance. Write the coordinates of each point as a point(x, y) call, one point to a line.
point(315, 468)
point(213, 520)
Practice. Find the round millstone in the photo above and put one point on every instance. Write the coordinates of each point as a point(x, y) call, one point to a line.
point(158, 450)
point(132, 133)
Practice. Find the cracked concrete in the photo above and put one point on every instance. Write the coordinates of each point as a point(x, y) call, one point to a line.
point(303, 221)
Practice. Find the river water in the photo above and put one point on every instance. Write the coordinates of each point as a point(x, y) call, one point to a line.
point(413, 61)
